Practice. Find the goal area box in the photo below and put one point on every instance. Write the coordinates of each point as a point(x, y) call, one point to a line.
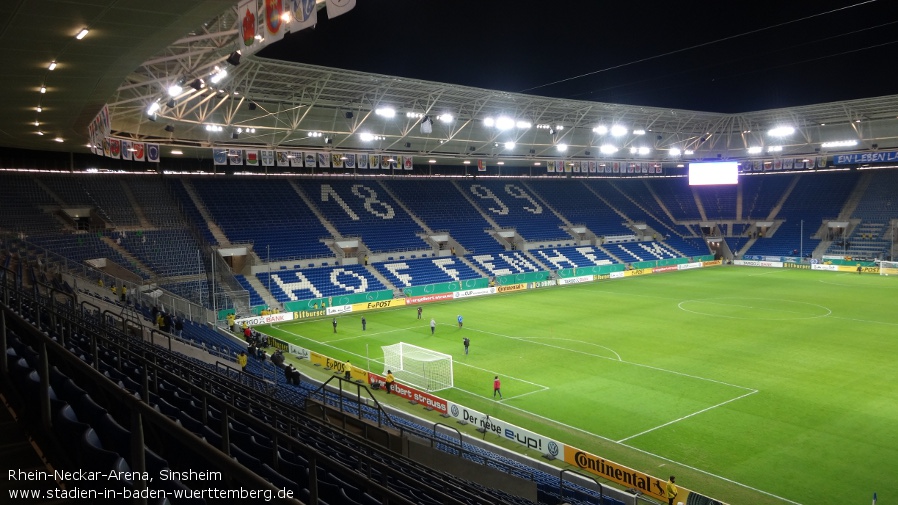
point(424, 368)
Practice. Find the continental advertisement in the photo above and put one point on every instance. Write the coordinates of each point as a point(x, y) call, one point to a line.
point(337, 366)
point(648, 485)
point(511, 287)
point(411, 394)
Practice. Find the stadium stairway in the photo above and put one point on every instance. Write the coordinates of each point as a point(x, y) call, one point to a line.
point(198, 203)
point(315, 210)
point(408, 211)
point(262, 290)
point(138, 211)
point(125, 254)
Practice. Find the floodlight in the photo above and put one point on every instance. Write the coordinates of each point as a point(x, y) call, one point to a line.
point(781, 131)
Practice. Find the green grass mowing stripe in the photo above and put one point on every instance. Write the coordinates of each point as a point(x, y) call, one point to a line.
point(669, 355)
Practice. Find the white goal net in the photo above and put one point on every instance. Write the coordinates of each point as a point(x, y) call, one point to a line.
point(888, 268)
point(417, 366)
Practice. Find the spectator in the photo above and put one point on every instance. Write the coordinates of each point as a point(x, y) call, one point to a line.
point(278, 358)
point(179, 326)
point(241, 360)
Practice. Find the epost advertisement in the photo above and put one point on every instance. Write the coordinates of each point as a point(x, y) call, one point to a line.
point(383, 304)
point(625, 476)
point(269, 319)
point(411, 394)
point(506, 430)
point(337, 365)
point(637, 272)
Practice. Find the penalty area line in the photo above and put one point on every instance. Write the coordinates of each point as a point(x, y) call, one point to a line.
point(687, 416)
point(654, 455)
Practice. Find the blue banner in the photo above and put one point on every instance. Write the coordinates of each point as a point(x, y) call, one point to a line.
point(851, 159)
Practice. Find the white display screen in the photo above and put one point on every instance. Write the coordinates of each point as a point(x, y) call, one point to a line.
point(717, 172)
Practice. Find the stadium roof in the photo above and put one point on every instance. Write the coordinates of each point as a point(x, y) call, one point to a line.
point(136, 50)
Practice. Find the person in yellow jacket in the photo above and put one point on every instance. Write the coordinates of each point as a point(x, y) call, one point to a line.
point(672, 490)
point(231, 319)
point(241, 360)
point(389, 381)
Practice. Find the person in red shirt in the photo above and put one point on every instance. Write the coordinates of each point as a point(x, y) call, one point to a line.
point(497, 387)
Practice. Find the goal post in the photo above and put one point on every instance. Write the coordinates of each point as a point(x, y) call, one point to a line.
point(888, 267)
point(427, 369)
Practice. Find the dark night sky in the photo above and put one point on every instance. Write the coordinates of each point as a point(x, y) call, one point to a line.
point(519, 45)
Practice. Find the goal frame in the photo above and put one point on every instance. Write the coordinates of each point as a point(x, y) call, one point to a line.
point(418, 366)
point(888, 267)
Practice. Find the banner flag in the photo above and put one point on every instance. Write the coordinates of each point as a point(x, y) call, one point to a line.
point(220, 156)
point(550, 166)
point(274, 21)
point(297, 160)
point(127, 150)
point(362, 160)
point(252, 157)
point(387, 163)
point(778, 164)
point(820, 162)
point(592, 167)
point(235, 156)
point(481, 166)
point(373, 161)
point(349, 162)
point(408, 162)
point(337, 160)
point(338, 7)
point(115, 148)
point(267, 156)
point(568, 167)
point(282, 158)
point(306, 159)
point(616, 167)
point(248, 24)
point(747, 166)
point(576, 166)
point(140, 151)
point(658, 169)
point(153, 153)
point(324, 160)
point(608, 169)
point(305, 15)
point(788, 163)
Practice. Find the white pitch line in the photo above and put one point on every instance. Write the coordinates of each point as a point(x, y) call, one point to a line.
point(529, 340)
point(648, 453)
point(686, 416)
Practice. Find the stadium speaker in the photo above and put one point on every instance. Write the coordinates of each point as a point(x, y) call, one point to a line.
point(170, 103)
point(533, 151)
point(252, 106)
point(234, 58)
point(235, 135)
point(587, 153)
point(472, 149)
point(348, 115)
point(408, 144)
point(874, 146)
point(169, 128)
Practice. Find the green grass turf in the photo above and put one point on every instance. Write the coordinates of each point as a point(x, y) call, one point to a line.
point(751, 385)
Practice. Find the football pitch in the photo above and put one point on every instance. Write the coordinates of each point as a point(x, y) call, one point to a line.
point(751, 385)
